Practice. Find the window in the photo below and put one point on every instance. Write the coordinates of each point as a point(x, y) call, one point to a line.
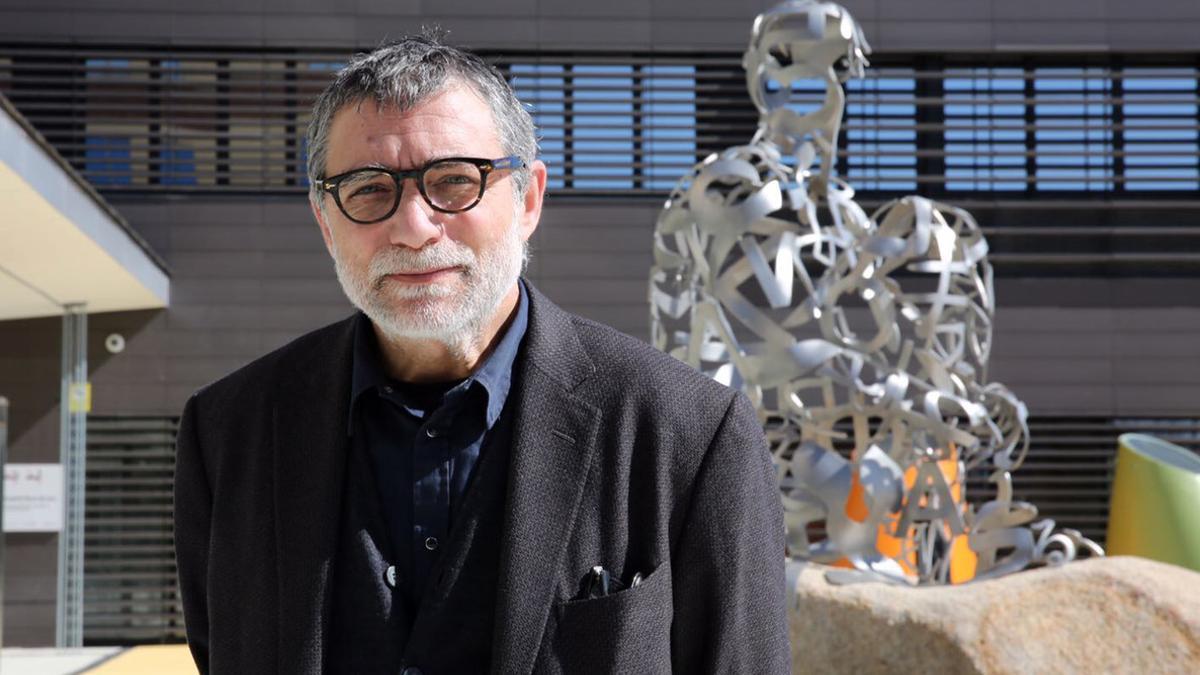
point(601, 119)
point(177, 165)
point(108, 69)
point(114, 86)
point(881, 133)
point(1160, 129)
point(1073, 141)
point(106, 160)
point(669, 119)
point(612, 126)
point(985, 129)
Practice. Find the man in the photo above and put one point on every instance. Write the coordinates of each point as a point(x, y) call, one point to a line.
point(463, 477)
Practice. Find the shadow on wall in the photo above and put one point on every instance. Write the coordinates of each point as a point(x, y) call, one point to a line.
point(31, 372)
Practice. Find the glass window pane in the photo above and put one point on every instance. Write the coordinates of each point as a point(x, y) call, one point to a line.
point(669, 119)
point(985, 134)
point(1073, 141)
point(881, 133)
point(1160, 129)
point(602, 117)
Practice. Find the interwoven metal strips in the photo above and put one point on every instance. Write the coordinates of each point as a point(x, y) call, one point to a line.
point(868, 333)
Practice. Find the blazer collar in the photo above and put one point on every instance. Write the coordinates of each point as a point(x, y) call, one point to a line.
point(310, 450)
point(552, 344)
point(554, 438)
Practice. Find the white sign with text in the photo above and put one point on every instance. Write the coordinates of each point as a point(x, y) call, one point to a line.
point(33, 498)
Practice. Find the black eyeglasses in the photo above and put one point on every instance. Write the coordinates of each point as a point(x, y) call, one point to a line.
point(450, 185)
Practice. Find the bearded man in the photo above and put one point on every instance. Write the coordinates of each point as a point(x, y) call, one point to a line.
point(463, 477)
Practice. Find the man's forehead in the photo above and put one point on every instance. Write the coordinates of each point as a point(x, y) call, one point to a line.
point(452, 121)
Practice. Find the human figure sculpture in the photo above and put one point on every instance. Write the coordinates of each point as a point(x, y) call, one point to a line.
point(868, 334)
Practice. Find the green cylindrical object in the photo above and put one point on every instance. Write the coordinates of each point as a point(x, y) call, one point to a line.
point(1155, 508)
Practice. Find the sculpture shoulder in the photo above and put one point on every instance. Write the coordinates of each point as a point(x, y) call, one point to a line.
point(904, 214)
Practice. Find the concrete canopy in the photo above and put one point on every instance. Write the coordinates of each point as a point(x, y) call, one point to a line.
point(60, 242)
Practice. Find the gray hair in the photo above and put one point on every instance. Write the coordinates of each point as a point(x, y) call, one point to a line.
point(403, 74)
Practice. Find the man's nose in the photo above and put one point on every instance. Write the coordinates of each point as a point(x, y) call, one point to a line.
point(412, 224)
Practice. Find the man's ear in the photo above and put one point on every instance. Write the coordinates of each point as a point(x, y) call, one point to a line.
point(326, 234)
point(535, 192)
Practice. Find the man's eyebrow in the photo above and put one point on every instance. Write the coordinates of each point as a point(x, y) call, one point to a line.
point(372, 165)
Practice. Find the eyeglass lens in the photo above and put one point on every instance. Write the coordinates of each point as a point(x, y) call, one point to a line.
point(449, 185)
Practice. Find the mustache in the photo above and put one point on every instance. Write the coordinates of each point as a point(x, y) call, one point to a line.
point(408, 261)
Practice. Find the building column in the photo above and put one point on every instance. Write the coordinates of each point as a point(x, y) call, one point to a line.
point(74, 406)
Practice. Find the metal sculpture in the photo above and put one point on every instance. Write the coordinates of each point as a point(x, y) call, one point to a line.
point(864, 333)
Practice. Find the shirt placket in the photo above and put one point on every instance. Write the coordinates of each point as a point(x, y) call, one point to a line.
point(431, 495)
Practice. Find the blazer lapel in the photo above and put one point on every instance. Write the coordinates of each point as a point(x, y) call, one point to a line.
point(311, 446)
point(553, 445)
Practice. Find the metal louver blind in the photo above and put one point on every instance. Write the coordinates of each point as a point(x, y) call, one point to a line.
point(130, 582)
point(1069, 469)
point(183, 119)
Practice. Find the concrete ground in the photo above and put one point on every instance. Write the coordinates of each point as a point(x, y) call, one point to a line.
point(147, 660)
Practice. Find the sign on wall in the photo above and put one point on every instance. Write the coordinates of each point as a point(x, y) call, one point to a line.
point(33, 498)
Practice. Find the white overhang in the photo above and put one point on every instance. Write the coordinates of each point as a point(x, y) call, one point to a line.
point(60, 242)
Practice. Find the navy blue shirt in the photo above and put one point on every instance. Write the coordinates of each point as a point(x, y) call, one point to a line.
point(423, 440)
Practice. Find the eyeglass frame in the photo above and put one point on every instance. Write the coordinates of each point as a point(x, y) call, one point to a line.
point(486, 168)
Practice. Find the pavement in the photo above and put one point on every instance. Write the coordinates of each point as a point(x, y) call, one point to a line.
point(143, 660)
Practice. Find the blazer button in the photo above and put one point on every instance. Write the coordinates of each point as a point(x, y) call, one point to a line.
point(431, 543)
point(390, 576)
point(411, 670)
point(432, 433)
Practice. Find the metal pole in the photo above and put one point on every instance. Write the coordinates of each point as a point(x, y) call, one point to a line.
point(75, 403)
point(3, 463)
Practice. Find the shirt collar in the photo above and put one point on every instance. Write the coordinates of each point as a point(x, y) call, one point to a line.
point(494, 374)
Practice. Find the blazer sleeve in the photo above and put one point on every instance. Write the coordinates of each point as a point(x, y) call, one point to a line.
point(728, 569)
point(193, 511)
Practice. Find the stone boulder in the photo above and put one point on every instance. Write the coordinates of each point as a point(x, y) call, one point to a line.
point(1102, 615)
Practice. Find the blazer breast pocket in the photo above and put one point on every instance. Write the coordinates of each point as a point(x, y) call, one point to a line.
point(627, 632)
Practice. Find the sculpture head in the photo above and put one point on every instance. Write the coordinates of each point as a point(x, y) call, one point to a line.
point(798, 40)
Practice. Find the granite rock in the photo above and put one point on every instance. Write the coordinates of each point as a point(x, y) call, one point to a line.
point(1110, 615)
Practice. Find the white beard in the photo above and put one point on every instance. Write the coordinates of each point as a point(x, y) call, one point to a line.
point(453, 314)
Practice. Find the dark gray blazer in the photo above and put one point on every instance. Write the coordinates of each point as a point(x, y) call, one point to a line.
point(621, 457)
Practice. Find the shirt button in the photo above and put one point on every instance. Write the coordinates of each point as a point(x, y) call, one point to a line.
point(432, 433)
point(431, 543)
